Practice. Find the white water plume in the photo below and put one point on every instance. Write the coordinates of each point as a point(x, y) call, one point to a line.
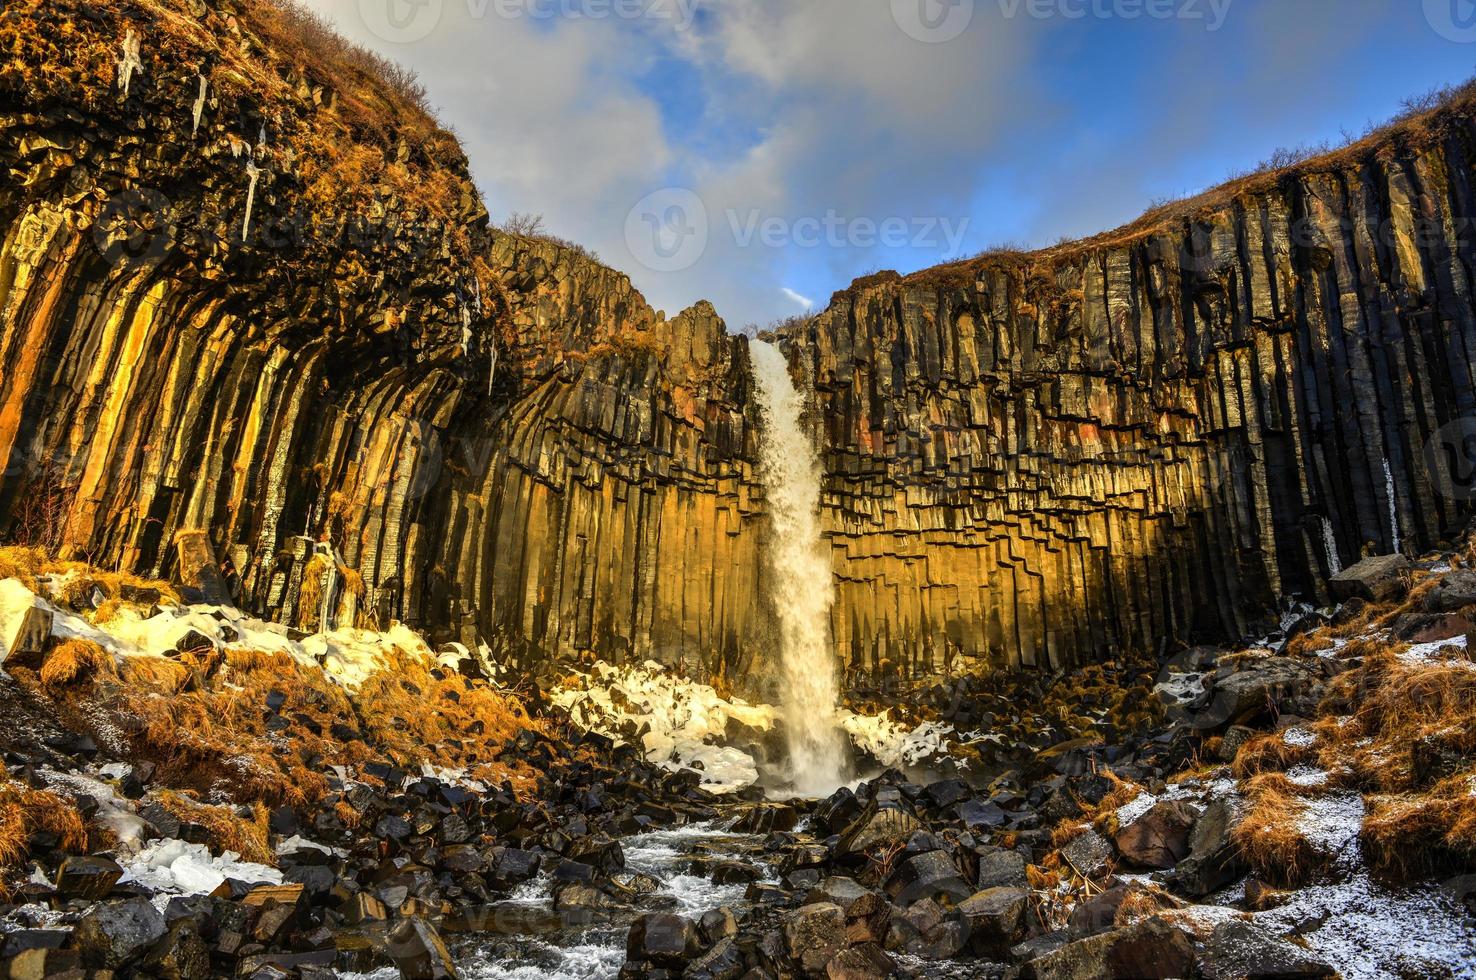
point(800, 579)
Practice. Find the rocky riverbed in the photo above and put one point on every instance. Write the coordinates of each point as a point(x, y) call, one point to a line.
point(1300, 806)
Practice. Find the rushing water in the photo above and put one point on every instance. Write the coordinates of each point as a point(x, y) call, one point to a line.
point(526, 940)
point(800, 579)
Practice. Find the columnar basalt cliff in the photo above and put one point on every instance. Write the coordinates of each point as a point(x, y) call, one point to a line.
point(1149, 438)
point(252, 319)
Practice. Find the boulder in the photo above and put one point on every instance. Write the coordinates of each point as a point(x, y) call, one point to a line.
point(813, 934)
point(1089, 853)
point(995, 919)
point(929, 875)
point(1244, 951)
point(1253, 688)
point(1160, 837)
point(723, 962)
point(1148, 950)
point(181, 954)
point(418, 952)
point(663, 939)
point(1213, 860)
point(1000, 868)
point(89, 878)
point(845, 892)
point(1378, 579)
point(1455, 591)
point(112, 935)
point(716, 925)
point(877, 827)
point(868, 961)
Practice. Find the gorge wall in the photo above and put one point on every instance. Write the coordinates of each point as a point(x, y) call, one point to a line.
point(1128, 443)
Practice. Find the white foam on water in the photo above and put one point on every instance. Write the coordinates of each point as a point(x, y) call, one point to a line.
point(802, 583)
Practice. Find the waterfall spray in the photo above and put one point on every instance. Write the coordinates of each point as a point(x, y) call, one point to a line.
point(801, 578)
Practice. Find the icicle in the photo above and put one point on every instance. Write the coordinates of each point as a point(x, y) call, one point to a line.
point(466, 331)
point(492, 367)
point(261, 139)
point(477, 294)
point(1330, 544)
point(132, 61)
point(1393, 508)
point(253, 172)
point(200, 104)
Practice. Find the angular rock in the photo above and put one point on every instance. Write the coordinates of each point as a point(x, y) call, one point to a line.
point(1378, 579)
point(1148, 950)
point(418, 952)
point(995, 919)
point(663, 939)
point(112, 935)
point(813, 934)
point(1160, 837)
point(89, 878)
point(1244, 951)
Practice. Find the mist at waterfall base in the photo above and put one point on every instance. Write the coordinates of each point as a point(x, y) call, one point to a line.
point(799, 581)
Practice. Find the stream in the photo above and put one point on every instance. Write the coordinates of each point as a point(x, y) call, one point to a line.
point(524, 938)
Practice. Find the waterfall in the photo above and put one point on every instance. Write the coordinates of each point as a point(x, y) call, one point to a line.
point(800, 578)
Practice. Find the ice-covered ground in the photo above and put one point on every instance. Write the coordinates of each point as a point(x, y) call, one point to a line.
point(682, 720)
point(893, 744)
point(686, 723)
point(175, 867)
point(347, 655)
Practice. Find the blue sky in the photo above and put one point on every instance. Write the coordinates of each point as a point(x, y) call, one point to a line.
point(824, 139)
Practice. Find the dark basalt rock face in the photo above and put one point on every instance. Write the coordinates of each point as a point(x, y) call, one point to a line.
point(1029, 460)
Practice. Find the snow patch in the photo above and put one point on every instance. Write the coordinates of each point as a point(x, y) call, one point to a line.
point(1298, 738)
point(892, 744)
point(684, 720)
point(176, 867)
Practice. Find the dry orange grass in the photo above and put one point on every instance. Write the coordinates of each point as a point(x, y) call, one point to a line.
point(1270, 838)
point(24, 812)
point(1396, 705)
point(22, 563)
point(416, 712)
point(1270, 753)
point(76, 660)
point(1426, 832)
point(249, 837)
